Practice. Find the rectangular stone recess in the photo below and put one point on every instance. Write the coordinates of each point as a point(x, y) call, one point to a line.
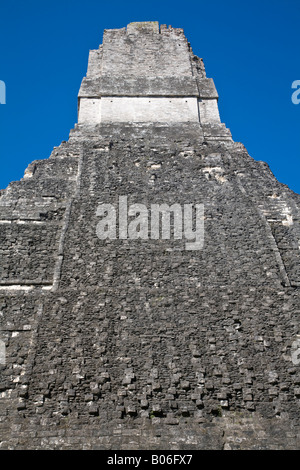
point(149, 109)
point(141, 109)
point(27, 253)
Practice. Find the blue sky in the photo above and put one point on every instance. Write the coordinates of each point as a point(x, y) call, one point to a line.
point(250, 49)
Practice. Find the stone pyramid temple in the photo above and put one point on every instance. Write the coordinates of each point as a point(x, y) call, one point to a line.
point(116, 333)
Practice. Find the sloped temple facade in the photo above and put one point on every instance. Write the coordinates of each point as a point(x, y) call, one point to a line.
point(138, 343)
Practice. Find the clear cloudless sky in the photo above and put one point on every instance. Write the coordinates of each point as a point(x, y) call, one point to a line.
point(250, 49)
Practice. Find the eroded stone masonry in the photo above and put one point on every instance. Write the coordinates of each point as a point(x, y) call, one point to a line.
point(141, 344)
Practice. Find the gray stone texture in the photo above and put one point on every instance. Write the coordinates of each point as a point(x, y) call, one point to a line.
point(141, 344)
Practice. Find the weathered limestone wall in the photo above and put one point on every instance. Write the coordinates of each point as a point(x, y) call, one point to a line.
point(208, 111)
point(142, 109)
point(138, 52)
point(89, 111)
point(145, 74)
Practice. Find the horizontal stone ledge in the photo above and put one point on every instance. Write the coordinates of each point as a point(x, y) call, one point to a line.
point(19, 285)
point(295, 284)
point(136, 95)
point(207, 88)
point(16, 328)
point(111, 85)
point(24, 221)
point(24, 282)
